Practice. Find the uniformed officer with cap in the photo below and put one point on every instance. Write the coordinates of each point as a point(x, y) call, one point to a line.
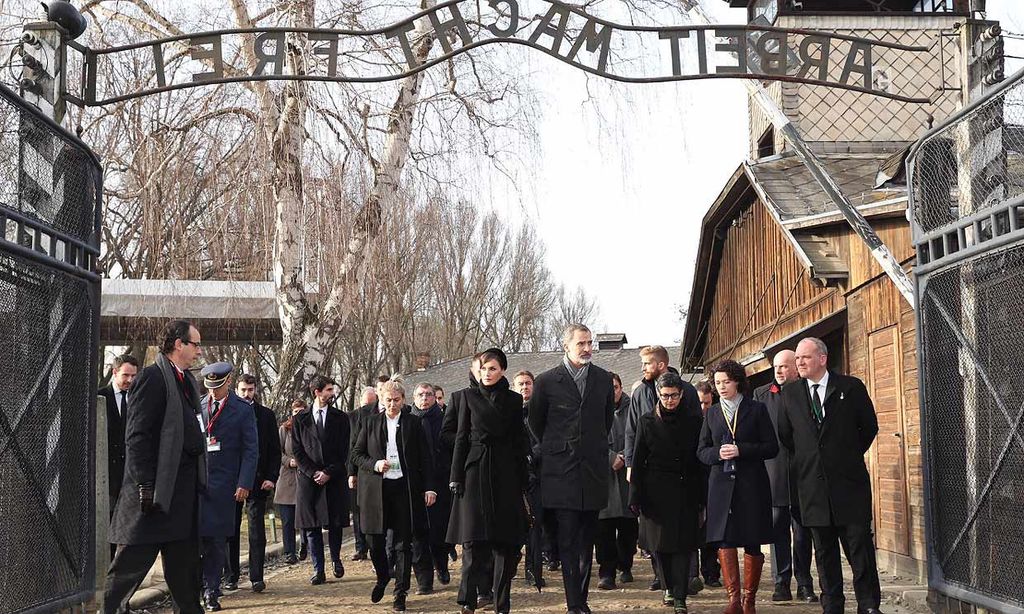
point(229, 430)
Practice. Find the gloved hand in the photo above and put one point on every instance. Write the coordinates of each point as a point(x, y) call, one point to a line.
point(457, 489)
point(146, 498)
point(634, 509)
point(532, 483)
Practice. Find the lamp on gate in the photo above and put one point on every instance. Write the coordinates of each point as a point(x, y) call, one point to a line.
point(66, 16)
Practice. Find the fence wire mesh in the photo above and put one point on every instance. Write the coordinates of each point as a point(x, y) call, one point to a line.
point(966, 183)
point(49, 186)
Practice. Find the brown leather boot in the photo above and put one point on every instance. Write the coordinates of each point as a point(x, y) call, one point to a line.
point(752, 566)
point(728, 558)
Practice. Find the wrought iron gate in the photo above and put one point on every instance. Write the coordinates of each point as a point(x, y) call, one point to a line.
point(967, 206)
point(50, 185)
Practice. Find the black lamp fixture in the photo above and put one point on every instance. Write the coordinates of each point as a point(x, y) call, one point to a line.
point(66, 16)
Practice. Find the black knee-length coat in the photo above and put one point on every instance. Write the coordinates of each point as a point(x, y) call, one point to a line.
point(666, 482)
point(748, 495)
point(490, 460)
point(321, 450)
point(417, 469)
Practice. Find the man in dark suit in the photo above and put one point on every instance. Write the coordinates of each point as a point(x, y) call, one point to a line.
point(571, 412)
point(165, 469)
point(268, 467)
point(320, 438)
point(125, 368)
point(827, 424)
point(787, 560)
point(356, 417)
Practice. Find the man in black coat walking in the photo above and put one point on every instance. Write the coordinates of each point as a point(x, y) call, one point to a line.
point(571, 413)
point(320, 440)
point(787, 560)
point(827, 424)
point(165, 469)
point(124, 370)
point(268, 467)
point(430, 551)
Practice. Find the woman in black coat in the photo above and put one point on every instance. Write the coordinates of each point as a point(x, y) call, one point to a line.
point(736, 439)
point(489, 477)
point(395, 487)
point(666, 486)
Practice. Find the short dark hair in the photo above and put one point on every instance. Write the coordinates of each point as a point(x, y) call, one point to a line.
point(319, 382)
point(298, 403)
point(173, 330)
point(246, 378)
point(669, 379)
point(705, 387)
point(124, 359)
point(382, 378)
point(526, 373)
point(734, 371)
point(494, 354)
point(437, 388)
point(615, 376)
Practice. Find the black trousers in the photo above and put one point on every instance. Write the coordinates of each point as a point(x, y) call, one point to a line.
point(674, 571)
point(397, 519)
point(858, 544)
point(214, 550)
point(575, 531)
point(428, 556)
point(791, 552)
point(357, 532)
point(255, 511)
point(487, 568)
point(709, 566)
point(133, 561)
point(234, 557)
point(616, 545)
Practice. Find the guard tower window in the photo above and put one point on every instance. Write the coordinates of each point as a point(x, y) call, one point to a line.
point(766, 144)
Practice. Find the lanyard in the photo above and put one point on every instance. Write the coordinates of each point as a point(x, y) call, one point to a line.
point(731, 425)
point(213, 418)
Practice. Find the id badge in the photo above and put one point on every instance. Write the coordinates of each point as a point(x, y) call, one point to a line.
point(212, 445)
point(396, 464)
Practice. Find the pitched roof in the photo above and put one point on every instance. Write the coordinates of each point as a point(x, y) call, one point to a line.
point(454, 374)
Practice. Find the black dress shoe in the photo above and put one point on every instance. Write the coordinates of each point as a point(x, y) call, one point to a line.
point(231, 585)
point(713, 583)
point(444, 576)
point(424, 590)
point(695, 586)
point(339, 569)
point(553, 566)
point(782, 593)
point(303, 552)
point(211, 602)
point(359, 556)
point(291, 559)
point(806, 594)
point(258, 586)
point(398, 605)
point(484, 600)
point(656, 585)
point(377, 593)
point(626, 577)
point(318, 578)
point(585, 608)
point(606, 584)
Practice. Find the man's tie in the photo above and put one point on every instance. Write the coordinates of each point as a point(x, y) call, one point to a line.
point(123, 407)
point(320, 418)
point(816, 403)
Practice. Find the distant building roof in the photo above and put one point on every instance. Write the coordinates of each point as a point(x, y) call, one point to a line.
point(454, 374)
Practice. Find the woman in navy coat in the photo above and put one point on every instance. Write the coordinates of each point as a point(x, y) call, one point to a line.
point(736, 439)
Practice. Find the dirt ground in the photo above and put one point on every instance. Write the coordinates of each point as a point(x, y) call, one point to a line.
point(289, 592)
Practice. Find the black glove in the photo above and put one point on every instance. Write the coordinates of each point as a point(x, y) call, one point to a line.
point(146, 498)
point(532, 483)
point(457, 489)
point(634, 509)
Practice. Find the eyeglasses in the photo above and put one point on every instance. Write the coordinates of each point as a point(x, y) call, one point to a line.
point(669, 397)
point(190, 342)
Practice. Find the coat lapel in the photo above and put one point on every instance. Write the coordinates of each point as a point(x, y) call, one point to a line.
point(830, 389)
point(570, 385)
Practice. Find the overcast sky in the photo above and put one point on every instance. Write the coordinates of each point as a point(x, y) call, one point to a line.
point(619, 199)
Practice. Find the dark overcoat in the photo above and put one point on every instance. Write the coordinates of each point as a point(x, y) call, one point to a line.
point(739, 507)
point(441, 461)
point(832, 481)
point(490, 459)
point(315, 450)
point(666, 482)
point(778, 467)
point(618, 487)
point(414, 457)
point(356, 418)
point(163, 447)
point(268, 465)
point(115, 445)
point(230, 468)
point(573, 434)
point(643, 401)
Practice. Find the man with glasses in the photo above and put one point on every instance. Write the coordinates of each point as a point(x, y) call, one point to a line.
point(165, 470)
point(430, 551)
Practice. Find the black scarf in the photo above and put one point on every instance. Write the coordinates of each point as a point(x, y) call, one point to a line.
point(494, 418)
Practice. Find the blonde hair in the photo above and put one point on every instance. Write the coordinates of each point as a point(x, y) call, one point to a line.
point(392, 386)
point(659, 352)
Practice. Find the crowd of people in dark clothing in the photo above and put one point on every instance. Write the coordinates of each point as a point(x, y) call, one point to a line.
point(532, 473)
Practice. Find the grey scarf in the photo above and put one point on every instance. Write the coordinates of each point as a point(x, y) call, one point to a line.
point(579, 376)
point(729, 408)
point(172, 435)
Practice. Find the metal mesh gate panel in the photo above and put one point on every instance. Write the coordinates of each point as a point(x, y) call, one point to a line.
point(49, 314)
point(967, 205)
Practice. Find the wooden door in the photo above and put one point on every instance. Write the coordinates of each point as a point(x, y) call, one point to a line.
point(888, 455)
